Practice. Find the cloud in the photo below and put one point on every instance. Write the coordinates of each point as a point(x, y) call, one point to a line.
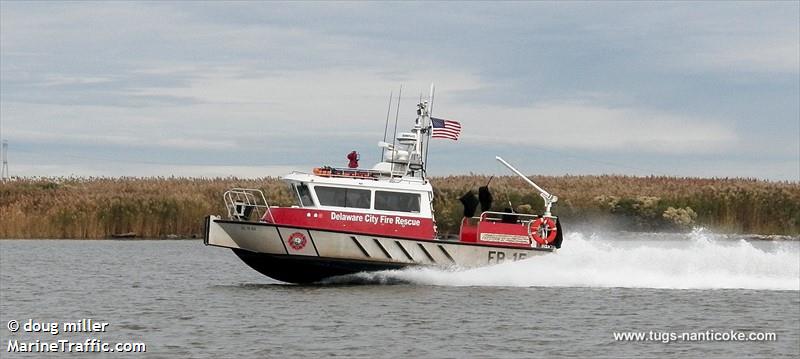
point(245, 83)
point(60, 80)
point(597, 128)
point(149, 170)
point(778, 54)
point(164, 141)
point(715, 38)
point(346, 99)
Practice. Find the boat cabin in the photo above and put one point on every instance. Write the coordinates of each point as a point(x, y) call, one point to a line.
point(362, 202)
point(358, 204)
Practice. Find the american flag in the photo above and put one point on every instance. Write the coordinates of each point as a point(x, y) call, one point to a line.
point(448, 129)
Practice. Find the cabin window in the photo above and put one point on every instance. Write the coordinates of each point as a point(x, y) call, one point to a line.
point(305, 195)
point(397, 201)
point(343, 197)
point(293, 190)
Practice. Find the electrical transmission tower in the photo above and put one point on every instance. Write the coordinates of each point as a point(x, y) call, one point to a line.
point(4, 170)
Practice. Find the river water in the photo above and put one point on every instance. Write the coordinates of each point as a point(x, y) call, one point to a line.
point(182, 299)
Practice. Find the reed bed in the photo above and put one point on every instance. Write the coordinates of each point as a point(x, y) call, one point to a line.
point(167, 207)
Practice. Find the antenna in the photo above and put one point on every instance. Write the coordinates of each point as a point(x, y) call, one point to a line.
point(429, 129)
point(430, 106)
point(396, 116)
point(386, 126)
point(4, 171)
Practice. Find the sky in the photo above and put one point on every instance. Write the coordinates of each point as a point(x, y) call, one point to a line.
point(251, 89)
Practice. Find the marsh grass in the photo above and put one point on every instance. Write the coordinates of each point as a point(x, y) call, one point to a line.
point(160, 207)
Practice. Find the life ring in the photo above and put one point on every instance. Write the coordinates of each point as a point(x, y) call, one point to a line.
point(550, 226)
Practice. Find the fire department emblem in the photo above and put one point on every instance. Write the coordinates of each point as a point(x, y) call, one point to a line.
point(297, 241)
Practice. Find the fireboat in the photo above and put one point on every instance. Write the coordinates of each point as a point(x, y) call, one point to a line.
point(351, 220)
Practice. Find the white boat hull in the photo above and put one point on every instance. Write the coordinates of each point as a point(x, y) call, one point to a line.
point(302, 255)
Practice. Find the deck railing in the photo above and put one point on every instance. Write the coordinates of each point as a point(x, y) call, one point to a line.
point(507, 216)
point(246, 204)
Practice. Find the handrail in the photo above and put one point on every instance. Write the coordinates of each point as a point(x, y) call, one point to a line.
point(530, 216)
point(240, 202)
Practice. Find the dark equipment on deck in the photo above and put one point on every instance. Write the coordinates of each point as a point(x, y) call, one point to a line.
point(470, 203)
point(485, 197)
point(242, 211)
point(511, 217)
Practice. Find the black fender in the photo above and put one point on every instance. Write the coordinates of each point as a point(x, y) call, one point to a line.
point(559, 234)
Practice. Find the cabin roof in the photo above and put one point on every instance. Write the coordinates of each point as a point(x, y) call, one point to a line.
point(404, 184)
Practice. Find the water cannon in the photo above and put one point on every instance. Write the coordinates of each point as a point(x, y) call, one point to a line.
point(549, 199)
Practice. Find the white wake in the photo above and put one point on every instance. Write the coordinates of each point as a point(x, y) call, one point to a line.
point(697, 262)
